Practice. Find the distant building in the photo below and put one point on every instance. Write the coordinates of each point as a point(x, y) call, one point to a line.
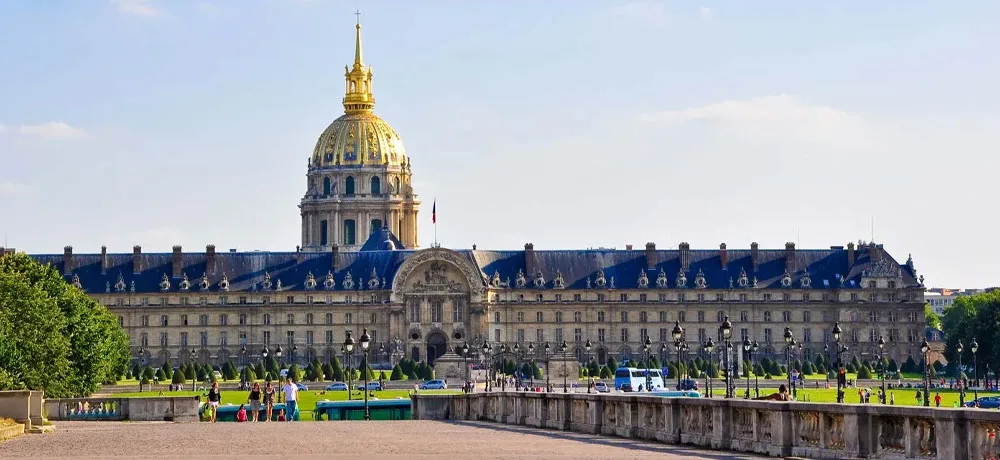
point(941, 298)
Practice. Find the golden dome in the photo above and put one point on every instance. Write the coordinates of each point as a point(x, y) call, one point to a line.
point(359, 137)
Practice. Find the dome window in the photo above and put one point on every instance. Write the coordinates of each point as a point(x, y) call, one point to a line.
point(376, 186)
point(349, 186)
point(326, 186)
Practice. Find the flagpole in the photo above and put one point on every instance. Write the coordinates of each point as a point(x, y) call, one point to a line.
point(434, 219)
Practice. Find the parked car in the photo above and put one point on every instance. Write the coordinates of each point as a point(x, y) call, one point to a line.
point(302, 386)
point(337, 386)
point(689, 384)
point(372, 386)
point(434, 385)
point(985, 402)
point(602, 387)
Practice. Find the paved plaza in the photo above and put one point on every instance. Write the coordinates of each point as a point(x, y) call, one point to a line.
point(337, 440)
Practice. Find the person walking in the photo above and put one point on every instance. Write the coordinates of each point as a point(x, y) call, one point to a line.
point(291, 397)
point(937, 399)
point(254, 399)
point(269, 399)
point(214, 397)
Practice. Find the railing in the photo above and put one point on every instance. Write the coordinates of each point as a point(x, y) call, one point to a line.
point(772, 428)
point(169, 408)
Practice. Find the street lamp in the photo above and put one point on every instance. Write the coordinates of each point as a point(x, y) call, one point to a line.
point(746, 363)
point(295, 349)
point(465, 355)
point(727, 332)
point(366, 343)
point(789, 343)
point(547, 348)
point(590, 378)
point(826, 356)
point(142, 359)
point(531, 378)
point(975, 367)
point(562, 348)
point(961, 383)
point(677, 334)
point(925, 349)
point(489, 364)
point(841, 378)
point(756, 377)
point(646, 346)
point(708, 347)
point(881, 362)
point(348, 349)
point(194, 378)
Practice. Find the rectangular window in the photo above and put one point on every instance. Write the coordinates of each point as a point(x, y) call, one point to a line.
point(577, 317)
point(164, 321)
point(744, 316)
point(559, 317)
point(661, 297)
point(520, 316)
point(309, 318)
point(539, 317)
point(144, 339)
point(702, 336)
point(577, 297)
point(559, 335)
point(719, 297)
point(309, 337)
point(329, 337)
point(348, 318)
point(744, 333)
point(806, 316)
point(496, 317)
point(663, 316)
point(266, 337)
point(496, 335)
point(642, 298)
point(290, 299)
point(145, 320)
point(223, 300)
point(805, 297)
point(623, 297)
point(701, 297)
point(223, 339)
point(350, 237)
point(243, 319)
point(323, 232)
point(184, 339)
point(204, 339)
point(624, 334)
point(203, 320)
point(437, 311)
point(578, 335)
point(223, 320)
point(539, 335)
point(767, 335)
point(624, 316)
point(290, 337)
point(243, 337)
point(701, 317)
point(520, 335)
point(243, 299)
point(329, 319)
point(767, 316)
point(558, 297)
point(600, 317)
point(643, 317)
point(414, 311)
point(743, 297)
point(290, 318)
point(767, 297)
point(663, 335)
point(786, 316)
point(458, 312)
point(681, 316)
point(643, 333)
point(164, 339)
point(680, 297)
point(807, 335)
point(601, 336)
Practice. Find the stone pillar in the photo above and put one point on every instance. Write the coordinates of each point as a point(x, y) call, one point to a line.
point(338, 227)
point(413, 228)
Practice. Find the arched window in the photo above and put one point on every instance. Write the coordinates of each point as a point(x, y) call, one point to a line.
point(376, 225)
point(326, 185)
point(349, 236)
point(349, 185)
point(376, 186)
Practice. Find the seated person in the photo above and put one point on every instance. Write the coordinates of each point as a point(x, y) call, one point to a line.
point(781, 395)
point(241, 415)
point(281, 415)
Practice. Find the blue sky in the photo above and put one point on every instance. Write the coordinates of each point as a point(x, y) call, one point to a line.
point(569, 124)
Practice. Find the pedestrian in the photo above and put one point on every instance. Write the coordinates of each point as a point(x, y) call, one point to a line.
point(892, 399)
point(269, 399)
point(214, 397)
point(254, 400)
point(937, 399)
point(291, 396)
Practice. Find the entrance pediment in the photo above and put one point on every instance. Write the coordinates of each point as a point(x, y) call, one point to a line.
point(437, 271)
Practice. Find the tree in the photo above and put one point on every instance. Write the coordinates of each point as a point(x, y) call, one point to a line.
point(909, 366)
point(864, 373)
point(167, 370)
point(933, 320)
point(160, 375)
point(294, 373)
point(892, 367)
point(606, 372)
point(52, 336)
point(178, 377)
point(612, 363)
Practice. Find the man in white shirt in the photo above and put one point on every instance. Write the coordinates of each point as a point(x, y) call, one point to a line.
point(291, 398)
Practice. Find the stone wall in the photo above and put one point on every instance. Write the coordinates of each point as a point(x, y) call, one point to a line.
point(160, 408)
point(23, 406)
point(764, 427)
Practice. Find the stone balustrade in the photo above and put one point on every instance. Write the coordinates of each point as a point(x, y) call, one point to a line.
point(157, 408)
point(812, 430)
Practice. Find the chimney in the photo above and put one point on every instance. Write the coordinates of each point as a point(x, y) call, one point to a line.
point(68, 260)
point(685, 250)
point(628, 247)
point(754, 255)
point(651, 255)
point(850, 255)
point(137, 259)
point(790, 257)
point(529, 259)
point(104, 260)
point(298, 254)
point(874, 251)
point(723, 256)
point(334, 250)
point(177, 262)
point(210, 259)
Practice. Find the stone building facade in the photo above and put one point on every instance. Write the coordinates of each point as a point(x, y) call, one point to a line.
point(358, 267)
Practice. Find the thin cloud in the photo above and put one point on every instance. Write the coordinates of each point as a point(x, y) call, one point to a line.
point(706, 12)
point(138, 7)
point(12, 189)
point(52, 129)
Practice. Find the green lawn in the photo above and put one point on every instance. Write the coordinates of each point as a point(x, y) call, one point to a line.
point(307, 399)
point(903, 396)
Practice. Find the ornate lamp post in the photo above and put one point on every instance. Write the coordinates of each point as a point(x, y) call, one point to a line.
point(727, 332)
point(753, 365)
point(961, 383)
point(366, 343)
point(489, 364)
point(194, 378)
point(531, 353)
point(881, 363)
point(826, 355)
point(465, 355)
point(547, 349)
point(348, 349)
point(975, 367)
point(677, 334)
point(789, 343)
point(925, 349)
point(646, 347)
point(590, 378)
point(840, 377)
point(562, 349)
point(709, 348)
point(746, 363)
point(142, 359)
point(295, 349)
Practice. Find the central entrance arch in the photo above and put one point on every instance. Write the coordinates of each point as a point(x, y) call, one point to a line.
point(437, 345)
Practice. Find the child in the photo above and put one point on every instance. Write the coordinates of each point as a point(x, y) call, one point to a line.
point(241, 415)
point(281, 415)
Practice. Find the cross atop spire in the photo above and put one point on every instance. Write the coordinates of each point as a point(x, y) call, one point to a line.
point(358, 97)
point(358, 14)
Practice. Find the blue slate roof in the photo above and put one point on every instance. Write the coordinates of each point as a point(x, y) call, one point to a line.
point(246, 271)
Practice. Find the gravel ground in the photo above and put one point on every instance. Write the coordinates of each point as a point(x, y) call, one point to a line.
point(336, 440)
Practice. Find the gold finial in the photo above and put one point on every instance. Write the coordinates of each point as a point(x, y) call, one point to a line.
point(358, 97)
point(357, 40)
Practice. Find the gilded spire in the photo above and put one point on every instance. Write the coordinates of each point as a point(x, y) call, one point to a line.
point(358, 97)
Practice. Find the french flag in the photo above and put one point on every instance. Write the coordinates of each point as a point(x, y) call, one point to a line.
point(434, 212)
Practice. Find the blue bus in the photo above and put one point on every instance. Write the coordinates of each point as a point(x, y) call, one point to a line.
point(631, 379)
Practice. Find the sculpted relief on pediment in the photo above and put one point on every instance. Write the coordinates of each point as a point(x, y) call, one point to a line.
point(436, 276)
